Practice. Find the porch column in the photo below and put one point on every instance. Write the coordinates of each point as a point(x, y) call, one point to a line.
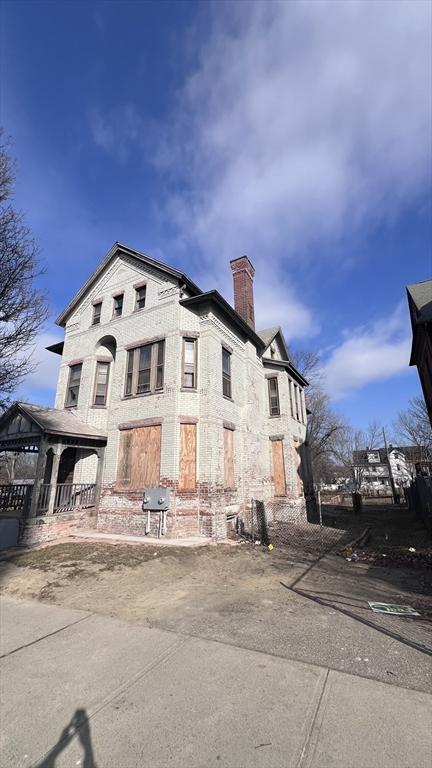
point(57, 452)
point(100, 452)
point(40, 470)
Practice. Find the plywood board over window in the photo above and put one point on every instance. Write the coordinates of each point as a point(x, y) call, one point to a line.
point(297, 451)
point(228, 458)
point(187, 474)
point(278, 468)
point(138, 464)
point(124, 457)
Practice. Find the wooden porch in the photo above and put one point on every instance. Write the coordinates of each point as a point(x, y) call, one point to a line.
point(66, 447)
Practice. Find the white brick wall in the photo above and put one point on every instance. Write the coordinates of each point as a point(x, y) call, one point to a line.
point(164, 316)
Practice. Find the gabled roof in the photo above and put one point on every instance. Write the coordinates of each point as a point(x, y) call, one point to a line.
point(270, 362)
point(421, 296)
point(420, 307)
point(116, 250)
point(214, 297)
point(54, 421)
point(269, 334)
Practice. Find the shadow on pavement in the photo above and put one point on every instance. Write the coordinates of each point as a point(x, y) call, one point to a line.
point(79, 726)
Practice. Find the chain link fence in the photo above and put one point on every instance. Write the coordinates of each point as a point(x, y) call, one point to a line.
point(298, 524)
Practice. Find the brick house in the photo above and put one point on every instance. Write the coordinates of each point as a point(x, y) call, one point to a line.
point(163, 385)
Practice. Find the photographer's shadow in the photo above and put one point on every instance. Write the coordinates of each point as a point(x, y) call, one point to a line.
point(78, 726)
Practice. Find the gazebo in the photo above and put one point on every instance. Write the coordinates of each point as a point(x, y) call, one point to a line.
point(69, 464)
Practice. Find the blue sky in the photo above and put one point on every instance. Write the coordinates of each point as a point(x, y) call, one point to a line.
point(298, 133)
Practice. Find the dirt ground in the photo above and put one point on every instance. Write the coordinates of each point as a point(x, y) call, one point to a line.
point(305, 603)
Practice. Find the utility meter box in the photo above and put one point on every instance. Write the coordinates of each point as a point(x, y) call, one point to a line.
point(156, 498)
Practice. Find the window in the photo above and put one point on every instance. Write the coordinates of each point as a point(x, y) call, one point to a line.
point(273, 392)
point(297, 403)
point(140, 297)
point(118, 305)
point(101, 383)
point(189, 378)
point(291, 394)
point(228, 458)
point(145, 369)
point(73, 385)
point(226, 372)
point(97, 309)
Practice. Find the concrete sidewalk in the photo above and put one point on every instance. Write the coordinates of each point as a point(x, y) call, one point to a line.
point(82, 689)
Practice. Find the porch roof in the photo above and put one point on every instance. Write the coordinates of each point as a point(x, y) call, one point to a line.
point(24, 424)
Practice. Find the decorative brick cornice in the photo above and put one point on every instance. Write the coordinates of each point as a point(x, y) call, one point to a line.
point(187, 419)
point(143, 342)
point(136, 423)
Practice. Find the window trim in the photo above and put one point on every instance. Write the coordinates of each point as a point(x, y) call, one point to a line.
point(117, 296)
point(194, 342)
point(269, 382)
point(96, 319)
point(68, 403)
point(133, 354)
point(227, 377)
point(137, 289)
point(298, 409)
point(108, 364)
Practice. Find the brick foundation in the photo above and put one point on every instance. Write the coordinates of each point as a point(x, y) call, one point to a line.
point(39, 530)
point(209, 511)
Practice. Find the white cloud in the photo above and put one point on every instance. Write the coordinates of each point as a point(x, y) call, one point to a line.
point(45, 374)
point(368, 354)
point(300, 123)
point(276, 304)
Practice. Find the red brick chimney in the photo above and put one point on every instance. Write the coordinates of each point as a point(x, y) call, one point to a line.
point(243, 275)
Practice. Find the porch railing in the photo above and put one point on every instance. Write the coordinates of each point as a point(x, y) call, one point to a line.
point(67, 496)
point(71, 495)
point(15, 498)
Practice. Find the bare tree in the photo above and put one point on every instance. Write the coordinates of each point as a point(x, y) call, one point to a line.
point(412, 426)
point(17, 466)
point(23, 308)
point(323, 424)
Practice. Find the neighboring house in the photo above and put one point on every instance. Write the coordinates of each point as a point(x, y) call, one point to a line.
point(372, 468)
point(163, 385)
point(420, 307)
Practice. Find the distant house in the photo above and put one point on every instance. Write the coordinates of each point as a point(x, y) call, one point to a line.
point(162, 385)
point(420, 307)
point(373, 471)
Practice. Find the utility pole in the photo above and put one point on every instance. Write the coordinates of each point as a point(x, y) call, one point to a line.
point(392, 482)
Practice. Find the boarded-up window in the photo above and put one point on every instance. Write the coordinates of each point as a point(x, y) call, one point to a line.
point(278, 468)
point(124, 457)
point(297, 450)
point(187, 475)
point(138, 464)
point(228, 458)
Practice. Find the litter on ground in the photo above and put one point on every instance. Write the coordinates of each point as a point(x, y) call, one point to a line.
point(396, 610)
